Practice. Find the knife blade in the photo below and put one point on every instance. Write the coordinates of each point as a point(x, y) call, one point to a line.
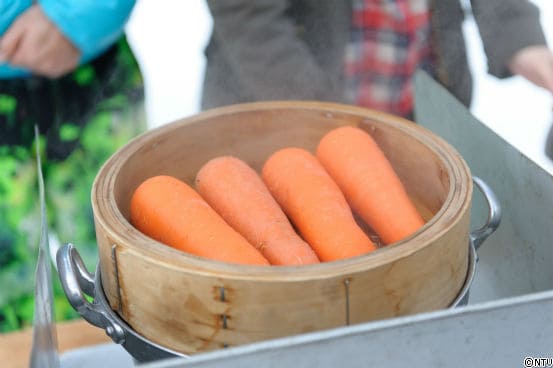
point(44, 351)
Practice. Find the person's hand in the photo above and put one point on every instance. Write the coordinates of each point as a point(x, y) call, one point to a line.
point(534, 63)
point(35, 43)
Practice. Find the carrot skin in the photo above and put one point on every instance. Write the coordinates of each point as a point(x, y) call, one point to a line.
point(171, 212)
point(370, 184)
point(238, 194)
point(314, 204)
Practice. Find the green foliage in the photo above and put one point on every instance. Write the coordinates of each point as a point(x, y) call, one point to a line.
point(7, 104)
point(69, 132)
point(84, 75)
point(68, 185)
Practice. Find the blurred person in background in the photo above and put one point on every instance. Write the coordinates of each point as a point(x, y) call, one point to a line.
point(364, 52)
point(66, 67)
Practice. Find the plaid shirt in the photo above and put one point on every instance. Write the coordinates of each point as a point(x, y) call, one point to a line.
point(390, 40)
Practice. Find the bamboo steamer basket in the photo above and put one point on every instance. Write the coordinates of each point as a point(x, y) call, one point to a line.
point(190, 304)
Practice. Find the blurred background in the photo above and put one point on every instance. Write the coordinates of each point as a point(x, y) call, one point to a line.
point(168, 42)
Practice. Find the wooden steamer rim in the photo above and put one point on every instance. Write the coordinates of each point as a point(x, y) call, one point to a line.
point(111, 221)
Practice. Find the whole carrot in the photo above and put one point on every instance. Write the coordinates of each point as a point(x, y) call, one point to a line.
point(369, 182)
point(237, 193)
point(170, 211)
point(314, 204)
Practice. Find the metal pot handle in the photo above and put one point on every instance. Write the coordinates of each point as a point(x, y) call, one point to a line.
point(478, 236)
point(76, 282)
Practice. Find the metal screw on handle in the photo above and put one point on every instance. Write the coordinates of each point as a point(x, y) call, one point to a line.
point(478, 236)
point(75, 279)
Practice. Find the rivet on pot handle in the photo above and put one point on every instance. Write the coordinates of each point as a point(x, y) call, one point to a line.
point(75, 279)
point(478, 236)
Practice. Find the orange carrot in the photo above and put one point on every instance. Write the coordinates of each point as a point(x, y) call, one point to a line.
point(369, 182)
point(314, 204)
point(171, 212)
point(238, 194)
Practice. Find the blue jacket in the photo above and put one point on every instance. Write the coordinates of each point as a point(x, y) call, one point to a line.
point(91, 25)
